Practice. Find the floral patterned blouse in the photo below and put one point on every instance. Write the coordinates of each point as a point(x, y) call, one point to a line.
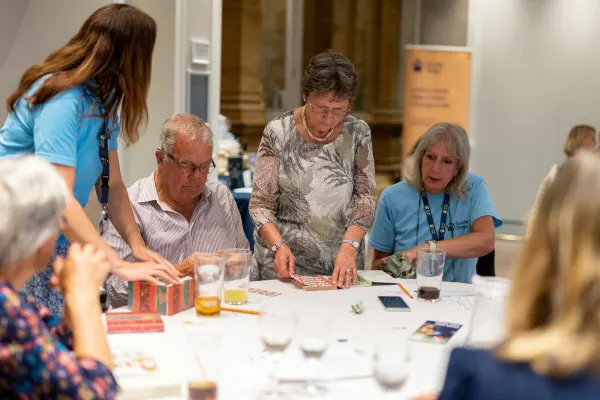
point(36, 359)
point(312, 193)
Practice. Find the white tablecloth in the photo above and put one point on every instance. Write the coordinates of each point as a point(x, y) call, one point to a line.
point(242, 377)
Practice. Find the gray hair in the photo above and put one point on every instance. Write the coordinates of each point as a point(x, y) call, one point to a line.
point(187, 125)
point(457, 140)
point(330, 72)
point(32, 199)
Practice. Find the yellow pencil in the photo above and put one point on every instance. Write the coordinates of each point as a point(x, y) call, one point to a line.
point(238, 310)
point(404, 290)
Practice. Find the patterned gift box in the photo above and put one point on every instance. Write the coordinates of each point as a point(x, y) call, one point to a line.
point(166, 300)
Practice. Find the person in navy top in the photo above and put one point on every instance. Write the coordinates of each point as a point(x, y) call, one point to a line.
point(440, 201)
point(65, 110)
point(552, 347)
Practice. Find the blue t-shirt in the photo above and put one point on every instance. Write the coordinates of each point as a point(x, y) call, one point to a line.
point(395, 226)
point(61, 131)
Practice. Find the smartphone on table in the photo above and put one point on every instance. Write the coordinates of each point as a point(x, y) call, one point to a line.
point(394, 303)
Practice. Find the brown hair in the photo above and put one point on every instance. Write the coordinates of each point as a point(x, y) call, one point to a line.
point(114, 46)
point(553, 313)
point(330, 72)
point(576, 137)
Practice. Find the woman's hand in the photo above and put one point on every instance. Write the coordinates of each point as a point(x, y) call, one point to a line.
point(344, 267)
point(82, 272)
point(284, 262)
point(411, 254)
point(146, 271)
point(143, 253)
point(380, 262)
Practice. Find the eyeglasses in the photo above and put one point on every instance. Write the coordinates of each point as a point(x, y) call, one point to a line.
point(188, 167)
point(325, 111)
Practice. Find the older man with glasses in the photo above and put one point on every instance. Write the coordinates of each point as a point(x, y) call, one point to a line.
point(177, 209)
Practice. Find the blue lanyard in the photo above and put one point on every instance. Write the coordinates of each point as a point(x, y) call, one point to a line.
point(103, 152)
point(437, 236)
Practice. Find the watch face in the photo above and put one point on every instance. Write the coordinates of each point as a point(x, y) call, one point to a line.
point(355, 244)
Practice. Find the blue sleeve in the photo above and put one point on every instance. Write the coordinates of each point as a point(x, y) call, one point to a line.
point(382, 235)
point(56, 128)
point(457, 383)
point(113, 143)
point(481, 203)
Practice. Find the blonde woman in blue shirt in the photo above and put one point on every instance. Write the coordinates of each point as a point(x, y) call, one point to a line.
point(410, 213)
point(65, 110)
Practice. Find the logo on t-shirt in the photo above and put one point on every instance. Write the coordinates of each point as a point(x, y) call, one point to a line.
point(460, 225)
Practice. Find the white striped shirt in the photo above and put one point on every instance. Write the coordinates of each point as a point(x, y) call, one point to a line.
point(215, 225)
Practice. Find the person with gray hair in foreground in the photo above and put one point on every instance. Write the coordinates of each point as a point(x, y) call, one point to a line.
point(42, 355)
point(177, 209)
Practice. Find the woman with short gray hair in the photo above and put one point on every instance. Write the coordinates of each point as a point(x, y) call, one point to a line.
point(438, 191)
point(314, 182)
point(42, 356)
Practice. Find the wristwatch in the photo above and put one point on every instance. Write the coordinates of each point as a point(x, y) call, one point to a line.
point(353, 243)
point(277, 245)
point(432, 245)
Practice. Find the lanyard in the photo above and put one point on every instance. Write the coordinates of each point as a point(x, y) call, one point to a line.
point(445, 211)
point(103, 152)
point(440, 235)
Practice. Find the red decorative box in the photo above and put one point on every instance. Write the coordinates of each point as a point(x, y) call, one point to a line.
point(166, 300)
point(120, 322)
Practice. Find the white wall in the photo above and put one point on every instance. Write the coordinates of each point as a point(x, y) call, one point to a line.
point(138, 160)
point(30, 30)
point(536, 70)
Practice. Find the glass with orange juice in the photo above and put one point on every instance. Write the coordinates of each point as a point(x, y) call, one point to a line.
point(209, 269)
point(237, 275)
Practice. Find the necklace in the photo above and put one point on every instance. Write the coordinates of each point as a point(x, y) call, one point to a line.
point(318, 139)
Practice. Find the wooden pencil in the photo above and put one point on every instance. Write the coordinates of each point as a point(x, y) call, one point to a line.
point(404, 290)
point(239, 310)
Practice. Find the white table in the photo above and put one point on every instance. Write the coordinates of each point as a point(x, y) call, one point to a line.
point(242, 379)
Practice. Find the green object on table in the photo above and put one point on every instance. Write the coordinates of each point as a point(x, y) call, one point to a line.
point(358, 308)
point(363, 282)
point(400, 267)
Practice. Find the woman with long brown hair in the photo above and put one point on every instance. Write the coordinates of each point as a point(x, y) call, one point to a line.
point(65, 110)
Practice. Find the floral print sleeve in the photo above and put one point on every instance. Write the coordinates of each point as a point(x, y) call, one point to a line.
point(362, 207)
point(265, 194)
point(35, 357)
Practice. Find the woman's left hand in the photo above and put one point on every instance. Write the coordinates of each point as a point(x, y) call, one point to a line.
point(143, 253)
point(148, 271)
point(344, 270)
point(411, 254)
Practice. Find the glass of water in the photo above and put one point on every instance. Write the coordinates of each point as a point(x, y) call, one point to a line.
point(430, 270)
point(390, 364)
point(276, 327)
point(314, 339)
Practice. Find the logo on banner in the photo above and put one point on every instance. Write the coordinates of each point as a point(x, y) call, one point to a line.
point(417, 65)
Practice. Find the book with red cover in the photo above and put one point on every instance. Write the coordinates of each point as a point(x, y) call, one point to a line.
point(134, 322)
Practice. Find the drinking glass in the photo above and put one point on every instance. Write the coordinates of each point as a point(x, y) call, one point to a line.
point(206, 351)
point(276, 328)
point(430, 270)
point(314, 338)
point(208, 281)
point(487, 327)
point(237, 276)
point(390, 364)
